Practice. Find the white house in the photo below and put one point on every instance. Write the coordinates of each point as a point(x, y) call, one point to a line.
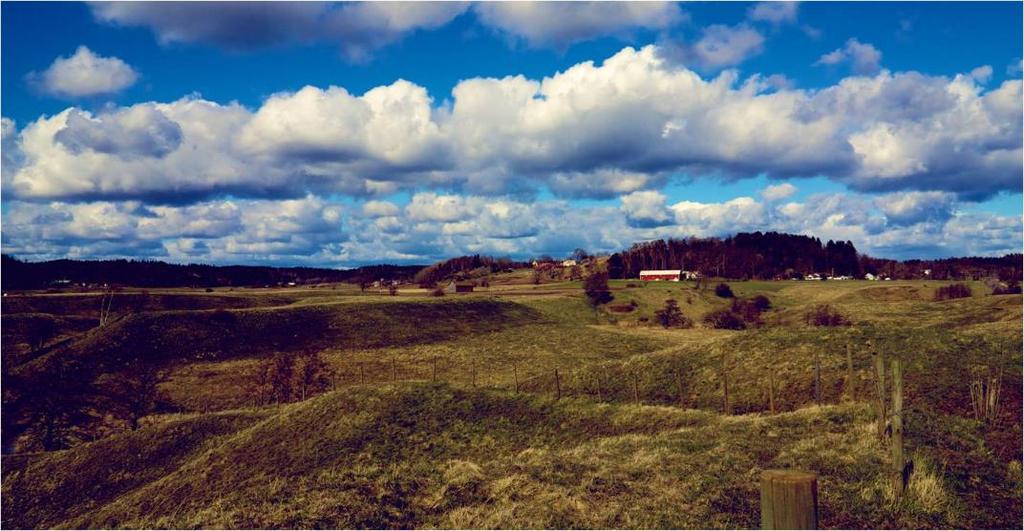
point(869, 276)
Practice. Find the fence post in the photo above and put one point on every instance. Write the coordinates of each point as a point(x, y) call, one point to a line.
point(600, 391)
point(817, 378)
point(898, 462)
point(558, 387)
point(789, 499)
point(515, 376)
point(849, 371)
point(362, 374)
point(679, 388)
point(636, 389)
point(726, 406)
point(473, 382)
point(879, 388)
point(771, 392)
point(433, 369)
point(394, 370)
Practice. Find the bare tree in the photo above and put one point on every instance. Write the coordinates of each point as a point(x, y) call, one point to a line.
point(314, 374)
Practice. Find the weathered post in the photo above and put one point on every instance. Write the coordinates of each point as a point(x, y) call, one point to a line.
point(771, 392)
point(636, 389)
point(849, 371)
point(558, 386)
point(726, 406)
point(362, 374)
point(394, 370)
point(433, 369)
point(789, 499)
point(879, 388)
point(898, 461)
point(679, 388)
point(473, 382)
point(817, 378)
point(515, 376)
point(600, 390)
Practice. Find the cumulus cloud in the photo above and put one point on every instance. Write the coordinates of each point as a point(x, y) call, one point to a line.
point(774, 12)
point(908, 208)
point(719, 46)
point(84, 74)
point(561, 24)
point(358, 28)
point(778, 192)
point(593, 130)
point(864, 58)
point(646, 209)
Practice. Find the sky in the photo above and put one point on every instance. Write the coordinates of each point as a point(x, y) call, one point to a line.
point(343, 134)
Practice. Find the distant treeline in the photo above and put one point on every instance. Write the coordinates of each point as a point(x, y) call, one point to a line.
point(773, 255)
point(17, 274)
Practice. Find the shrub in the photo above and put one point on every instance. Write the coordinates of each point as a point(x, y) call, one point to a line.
point(952, 291)
point(724, 319)
point(761, 302)
point(748, 309)
point(824, 315)
point(724, 291)
point(437, 292)
point(596, 288)
point(671, 317)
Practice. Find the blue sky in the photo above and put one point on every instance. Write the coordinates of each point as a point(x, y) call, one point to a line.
point(185, 133)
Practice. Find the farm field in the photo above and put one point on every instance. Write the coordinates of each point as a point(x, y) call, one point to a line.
point(514, 406)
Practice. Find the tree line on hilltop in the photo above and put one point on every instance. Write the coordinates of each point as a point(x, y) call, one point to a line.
point(773, 255)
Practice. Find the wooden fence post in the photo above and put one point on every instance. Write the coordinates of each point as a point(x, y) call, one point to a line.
point(394, 370)
point(433, 369)
point(789, 499)
point(898, 461)
point(600, 390)
point(362, 374)
point(771, 392)
point(473, 382)
point(679, 388)
point(726, 406)
point(558, 386)
point(879, 388)
point(849, 371)
point(515, 376)
point(817, 378)
point(636, 389)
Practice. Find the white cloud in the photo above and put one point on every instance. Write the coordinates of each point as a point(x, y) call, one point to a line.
point(774, 12)
point(864, 58)
point(379, 209)
point(592, 130)
point(646, 209)
point(776, 192)
point(908, 208)
point(719, 46)
point(84, 74)
point(982, 74)
point(358, 28)
point(561, 24)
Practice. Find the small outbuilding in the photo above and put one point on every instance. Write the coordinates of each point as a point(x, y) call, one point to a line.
point(459, 287)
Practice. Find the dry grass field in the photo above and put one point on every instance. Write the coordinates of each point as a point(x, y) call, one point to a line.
point(447, 411)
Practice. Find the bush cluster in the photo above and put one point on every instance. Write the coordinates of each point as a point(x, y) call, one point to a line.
point(723, 290)
point(724, 319)
point(671, 317)
point(953, 291)
point(1011, 288)
point(824, 315)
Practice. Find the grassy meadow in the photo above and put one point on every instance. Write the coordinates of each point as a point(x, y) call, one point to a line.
point(447, 412)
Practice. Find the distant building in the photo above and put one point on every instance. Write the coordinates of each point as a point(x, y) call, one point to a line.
point(568, 263)
point(812, 276)
point(690, 275)
point(661, 274)
point(869, 276)
point(459, 287)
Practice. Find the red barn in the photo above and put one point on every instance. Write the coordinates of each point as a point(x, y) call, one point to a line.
point(661, 274)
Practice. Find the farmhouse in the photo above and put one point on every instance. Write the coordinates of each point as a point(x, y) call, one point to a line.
point(459, 287)
point(661, 274)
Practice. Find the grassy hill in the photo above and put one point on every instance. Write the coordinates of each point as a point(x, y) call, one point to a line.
point(391, 448)
point(434, 455)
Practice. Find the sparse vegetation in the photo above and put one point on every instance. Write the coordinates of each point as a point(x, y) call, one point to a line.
point(953, 291)
point(723, 290)
point(596, 288)
point(671, 317)
point(724, 320)
point(825, 315)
